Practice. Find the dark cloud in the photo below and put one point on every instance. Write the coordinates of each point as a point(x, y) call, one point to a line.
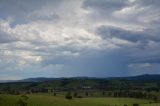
point(151, 59)
point(79, 38)
point(148, 2)
point(104, 6)
point(93, 63)
point(146, 43)
point(102, 10)
point(109, 32)
point(37, 17)
point(133, 36)
point(20, 10)
point(6, 38)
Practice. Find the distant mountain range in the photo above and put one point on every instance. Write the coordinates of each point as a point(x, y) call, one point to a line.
point(145, 77)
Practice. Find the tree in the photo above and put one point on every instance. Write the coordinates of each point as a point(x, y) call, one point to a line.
point(54, 94)
point(75, 94)
point(109, 94)
point(103, 93)
point(155, 98)
point(68, 95)
point(86, 93)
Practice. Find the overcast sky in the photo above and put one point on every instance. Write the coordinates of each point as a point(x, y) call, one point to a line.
point(66, 38)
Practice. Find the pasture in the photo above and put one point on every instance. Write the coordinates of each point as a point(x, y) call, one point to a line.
point(50, 100)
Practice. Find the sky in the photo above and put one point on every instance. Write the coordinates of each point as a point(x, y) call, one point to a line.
point(72, 38)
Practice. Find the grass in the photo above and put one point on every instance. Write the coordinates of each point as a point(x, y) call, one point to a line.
point(49, 100)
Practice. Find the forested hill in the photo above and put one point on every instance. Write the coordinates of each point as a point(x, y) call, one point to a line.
point(143, 82)
point(145, 77)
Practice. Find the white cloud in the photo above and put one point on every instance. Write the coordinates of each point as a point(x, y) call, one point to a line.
point(141, 65)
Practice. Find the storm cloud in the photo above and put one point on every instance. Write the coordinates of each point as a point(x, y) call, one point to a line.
point(65, 38)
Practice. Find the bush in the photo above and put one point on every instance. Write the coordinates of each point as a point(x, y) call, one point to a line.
point(24, 97)
point(68, 97)
point(75, 94)
point(17, 93)
point(86, 93)
point(79, 97)
point(155, 98)
point(103, 93)
point(27, 92)
point(54, 94)
point(135, 104)
point(21, 103)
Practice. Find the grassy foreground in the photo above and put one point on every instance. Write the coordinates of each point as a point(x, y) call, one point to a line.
point(49, 100)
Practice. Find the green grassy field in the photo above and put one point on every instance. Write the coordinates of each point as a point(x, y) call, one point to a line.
point(49, 100)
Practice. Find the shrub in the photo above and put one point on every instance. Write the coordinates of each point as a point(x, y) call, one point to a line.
point(27, 92)
point(75, 94)
point(155, 98)
point(54, 94)
point(68, 97)
point(103, 93)
point(24, 97)
point(21, 103)
point(135, 104)
point(86, 93)
point(17, 93)
point(79, 97)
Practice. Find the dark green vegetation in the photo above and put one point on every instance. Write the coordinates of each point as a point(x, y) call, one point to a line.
point(126, 91)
